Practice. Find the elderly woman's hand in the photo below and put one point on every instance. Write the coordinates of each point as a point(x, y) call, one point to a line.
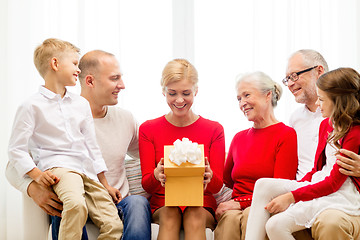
point(208, 174)
point(224, 206)
point(159, 173)
point(350, 165)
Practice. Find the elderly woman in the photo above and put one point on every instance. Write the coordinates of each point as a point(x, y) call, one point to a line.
point(268, 149)
point(179, 86)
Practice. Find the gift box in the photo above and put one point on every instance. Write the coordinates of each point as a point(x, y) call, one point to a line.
point(185, 183)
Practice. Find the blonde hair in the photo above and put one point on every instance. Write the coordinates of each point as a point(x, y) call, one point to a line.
point(48, 49)
point(263, 83)
point(342, 86)
point(177, 70)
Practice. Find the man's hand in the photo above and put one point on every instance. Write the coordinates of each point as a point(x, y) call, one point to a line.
point(45, 198)
point(224, 206)
point(280, 203)
point(350, 165)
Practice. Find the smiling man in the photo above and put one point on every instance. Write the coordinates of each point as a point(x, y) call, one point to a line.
point(303, 70)
point(117, 135)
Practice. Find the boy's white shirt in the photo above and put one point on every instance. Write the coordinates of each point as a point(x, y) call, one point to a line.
point(57, 132)
point(117, 135)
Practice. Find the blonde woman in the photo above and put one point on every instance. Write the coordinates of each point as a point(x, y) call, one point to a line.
point(179, 86)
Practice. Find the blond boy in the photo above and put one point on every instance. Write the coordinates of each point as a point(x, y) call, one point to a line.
point(53, 142)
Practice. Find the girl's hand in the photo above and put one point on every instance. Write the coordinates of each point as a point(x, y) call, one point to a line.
point(208, 174)
point(159, 173)
point(280, 203)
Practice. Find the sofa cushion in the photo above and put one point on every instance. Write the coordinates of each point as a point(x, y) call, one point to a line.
point(133, 174)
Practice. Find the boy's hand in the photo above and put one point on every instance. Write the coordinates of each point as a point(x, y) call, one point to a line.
point(280, 203)
point(45, 179)
point(115, 194)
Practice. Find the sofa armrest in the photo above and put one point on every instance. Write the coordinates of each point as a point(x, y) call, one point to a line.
point(36, 221)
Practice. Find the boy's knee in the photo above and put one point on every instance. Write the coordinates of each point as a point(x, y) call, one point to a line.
point(112, 229)
point(77, 207)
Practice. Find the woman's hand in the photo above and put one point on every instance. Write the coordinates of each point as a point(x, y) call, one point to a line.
point(225, 206)
point(159, 173)
point(350, 165)
point(208, 174)
point(280, 203)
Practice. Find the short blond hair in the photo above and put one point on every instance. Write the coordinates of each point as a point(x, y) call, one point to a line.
point(177, 70)
point(50, 48)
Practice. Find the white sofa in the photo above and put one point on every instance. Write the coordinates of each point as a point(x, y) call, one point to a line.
point(37, 223)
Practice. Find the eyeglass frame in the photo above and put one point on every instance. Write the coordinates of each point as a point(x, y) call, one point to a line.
point(295, 75)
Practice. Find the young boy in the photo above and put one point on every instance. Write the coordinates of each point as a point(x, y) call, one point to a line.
point(53, 142)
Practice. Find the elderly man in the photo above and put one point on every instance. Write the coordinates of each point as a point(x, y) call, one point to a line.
point(303, 69)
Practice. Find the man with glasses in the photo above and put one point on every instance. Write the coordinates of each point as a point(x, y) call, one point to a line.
point(303, 69)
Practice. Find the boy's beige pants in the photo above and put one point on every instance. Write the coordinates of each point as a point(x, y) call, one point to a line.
point(82, 196)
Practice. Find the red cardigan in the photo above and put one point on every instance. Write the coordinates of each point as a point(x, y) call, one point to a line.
point(256, 153)
point(334, 181)
point(154, 134)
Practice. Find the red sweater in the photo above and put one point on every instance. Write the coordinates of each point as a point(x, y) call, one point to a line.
point(335, 180)
point(257, 153)
point(154, 134)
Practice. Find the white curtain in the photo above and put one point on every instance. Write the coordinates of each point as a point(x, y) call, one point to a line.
point(221, 37)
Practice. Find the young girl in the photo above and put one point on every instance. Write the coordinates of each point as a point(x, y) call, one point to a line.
point(299, 203)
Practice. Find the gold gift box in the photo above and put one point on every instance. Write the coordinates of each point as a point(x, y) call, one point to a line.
point(185, 183)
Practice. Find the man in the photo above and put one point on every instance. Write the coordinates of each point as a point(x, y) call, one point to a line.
point(304, 68)
point(117, 135)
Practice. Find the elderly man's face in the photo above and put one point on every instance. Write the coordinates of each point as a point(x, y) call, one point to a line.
point(304, 88)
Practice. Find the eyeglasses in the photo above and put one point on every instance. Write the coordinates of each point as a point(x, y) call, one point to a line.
point(295, 75)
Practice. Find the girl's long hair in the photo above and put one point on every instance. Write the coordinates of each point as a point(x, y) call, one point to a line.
point(342, 86)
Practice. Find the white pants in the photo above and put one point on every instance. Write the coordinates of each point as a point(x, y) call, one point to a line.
point(280, 226)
